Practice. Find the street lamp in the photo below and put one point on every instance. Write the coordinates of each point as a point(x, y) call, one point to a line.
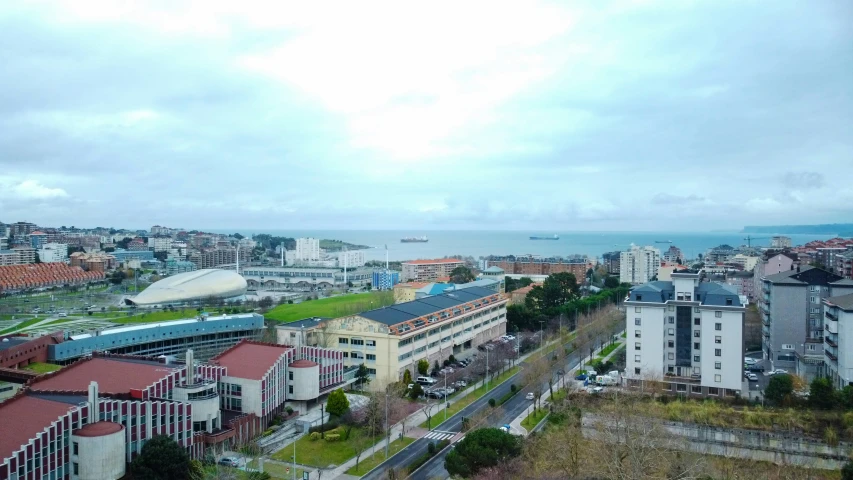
point(445, 393)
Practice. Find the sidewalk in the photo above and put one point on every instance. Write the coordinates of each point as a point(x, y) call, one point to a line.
point(569, 376)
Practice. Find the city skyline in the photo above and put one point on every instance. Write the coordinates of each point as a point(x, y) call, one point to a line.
point(590, 117)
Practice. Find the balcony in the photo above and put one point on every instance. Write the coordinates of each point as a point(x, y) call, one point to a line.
point(831, 356)
point(671, 377)
point(831, 316)
point(830, 342)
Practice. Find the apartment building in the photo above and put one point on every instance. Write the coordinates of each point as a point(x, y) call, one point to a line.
point(531, 265)
point(214, 257)
point(429, 270)
point(792, 316)
point(159, 244)
point(391, 340)
point(93, 262)
point(17, 256)
point(308, 250)
point(385, 279)
point(770, 264)
point(610, 260)
point(350, 259)
point(673, 255)
point(780, 242)
point(686, 334)
point(844, 264)
point(838, 339)
point(743, 282)
point(53, 252)
point(638, 265)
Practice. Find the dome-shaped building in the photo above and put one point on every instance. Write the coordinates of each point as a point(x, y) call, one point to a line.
point(189, 286)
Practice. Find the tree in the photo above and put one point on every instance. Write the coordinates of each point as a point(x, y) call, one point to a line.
point(461, 274)
point(362, 376)
point(416, 391)
point(481, 449)
point(337, 403)
point(847, 471)
point(117, 277)
point(779, 388)
point(162, 255)
point(423, 366)
point(265, 302)
point(238, 236)
point(611, 282)
point(821, 394)
point(407, 377)
point(161, 458)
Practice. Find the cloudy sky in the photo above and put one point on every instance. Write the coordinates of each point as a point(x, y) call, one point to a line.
point(630, 115)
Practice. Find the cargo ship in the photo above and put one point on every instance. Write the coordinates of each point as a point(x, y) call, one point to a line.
point(555, 237)
point(414, 239)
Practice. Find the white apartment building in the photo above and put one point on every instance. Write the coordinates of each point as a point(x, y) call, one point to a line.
point(160, 244)
point(838, 336)
point(780, 242)
point(638, 265)
point(53, 252)
point(307, 249)
point(351, 259)
point(686, 334)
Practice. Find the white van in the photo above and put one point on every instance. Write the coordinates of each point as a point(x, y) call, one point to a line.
point(605, 380)
point(426, 380)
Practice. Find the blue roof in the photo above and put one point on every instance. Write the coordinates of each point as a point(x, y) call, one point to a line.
point(417, 308)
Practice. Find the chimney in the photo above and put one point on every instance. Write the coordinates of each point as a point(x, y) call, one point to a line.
point(93, 403)
point(190, 367)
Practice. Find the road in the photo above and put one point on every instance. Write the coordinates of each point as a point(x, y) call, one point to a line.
point(434, 468)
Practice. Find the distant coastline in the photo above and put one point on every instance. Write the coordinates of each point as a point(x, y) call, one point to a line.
point(839, 229)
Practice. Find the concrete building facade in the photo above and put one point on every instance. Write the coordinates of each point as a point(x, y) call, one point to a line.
point(838, 337)
point(638, 265)
point(532, 265)
point(686, 334)
point(429, 270)
point(307, 249)
point(53, 252)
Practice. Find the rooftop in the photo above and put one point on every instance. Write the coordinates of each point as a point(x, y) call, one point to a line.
point(401, 312)
point(844, 302)
point(9, 342)
point(250, 360)
point(114, 375)
point(430, 262)
point(807, 276)
point(23, 418)
point(98, 429)
point(707, 293)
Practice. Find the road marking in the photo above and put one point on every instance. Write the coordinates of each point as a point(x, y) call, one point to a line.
point(436, 435)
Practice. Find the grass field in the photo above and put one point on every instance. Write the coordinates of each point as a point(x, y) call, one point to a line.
point(276, 470)
point(42, 367)
point(368, 463)
point(463, 402)
point(533, 419)
point(25, 323)
point(608, 350)
point(158, 316)
point(331, 307)
point(321, 453)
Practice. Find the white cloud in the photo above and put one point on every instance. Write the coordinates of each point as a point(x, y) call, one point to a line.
point(30, 190)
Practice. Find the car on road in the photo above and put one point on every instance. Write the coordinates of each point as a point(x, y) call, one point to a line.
point(755, 368)
point(529, 396)
point(750, 361)
point(582, 376)
point(752, 377)
point(229, 462)
point(779, 371)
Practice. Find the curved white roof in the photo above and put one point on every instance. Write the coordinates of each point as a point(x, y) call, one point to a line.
point(197, 285)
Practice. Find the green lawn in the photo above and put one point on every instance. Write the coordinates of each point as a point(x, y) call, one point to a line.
point(320, 453)
point(608, 350)
point(25, 323)
point(368, 463)
point(156, 316)
point(604, 353)
point(463, 402)
point(533, 419)
point(42, 367)
point(332, 307)
point(276, 470)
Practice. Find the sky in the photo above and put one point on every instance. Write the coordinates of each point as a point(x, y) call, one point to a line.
point(553, 116)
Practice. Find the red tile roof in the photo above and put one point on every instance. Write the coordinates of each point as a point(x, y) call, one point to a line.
point(23, 417)
point(34, 275)
point(437, 260)
point(98, 429)
point(250, 360)
point(113, 376)
point(303, 364)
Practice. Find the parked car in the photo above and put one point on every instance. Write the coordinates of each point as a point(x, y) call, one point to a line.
point(750, 361)
point(529, 396)
point(755, 368)
point(779, 371)
point(582, 376)
point(460, 384)
point(595, 390)
point(752, 377)
point(229, 462)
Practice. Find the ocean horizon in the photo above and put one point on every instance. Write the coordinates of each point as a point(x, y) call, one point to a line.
point(481, 243)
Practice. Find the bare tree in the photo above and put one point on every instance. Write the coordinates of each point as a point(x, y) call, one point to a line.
point(428, 408)
point(538, 369)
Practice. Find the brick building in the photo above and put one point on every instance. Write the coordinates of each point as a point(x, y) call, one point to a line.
point(531, 265)
point(429, 270)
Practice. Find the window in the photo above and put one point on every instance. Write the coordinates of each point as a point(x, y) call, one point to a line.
point(718, 327)
point(637, 346)
point(811, 347)
point(718, 378)
point(713, 391)
point(696, 389)
point(670, 356)
point(638, 309)
point(787, 346)
point(671, 320)
point(75, 448)
point(290, 389)
point(76, 468)
point(346, 354)
point(680, 387)
point(718, 314)
point(357, 341)
point(718, 352)
point(636, 334)
point(695, 358)
point(671, 308)
point(371, 356)
point(343, 341)
point(718, 365)
point(290, 375)
point(636, 371)
point(718, 339)
point(695, 333)
point(670, 369)
point(371, 371)
point(637, 358)
point(697, 321)
point(637, 322)
point(695, 345)
point(670, 343)
point(372, 343)
point(671, 331)
point(728, 301)
point(813, 299)
point(814, 288)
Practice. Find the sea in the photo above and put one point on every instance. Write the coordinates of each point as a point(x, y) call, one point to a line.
point(482, 243)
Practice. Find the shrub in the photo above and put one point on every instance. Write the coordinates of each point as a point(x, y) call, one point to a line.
point(492, 402)
point(267, 432)
point(830, 436)
point(314, 436)
point(446, 363)
point(289, 410)
point(330, 425)
point(332, 437)
point(431, 448)
point(452, 359)
point(513, 388)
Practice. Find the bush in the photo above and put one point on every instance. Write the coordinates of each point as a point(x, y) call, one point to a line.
point(267, 432)
point(446, 363)
point(332, 437)
point(330, 425)
point(452, 359)
point(431, 448)
point(314, 436)
point(289, 410)
point(492, 402)
point(513, 388)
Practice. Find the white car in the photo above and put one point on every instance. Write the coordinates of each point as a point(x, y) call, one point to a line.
point(750, 361)
point(529, 396)
point(752, 377)
point(779, 371)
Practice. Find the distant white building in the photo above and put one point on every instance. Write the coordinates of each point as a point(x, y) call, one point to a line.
point(160, 244)
point(53, 252)
point(638, 265)
point(780, 242)
point(307, 249)
point(351, 259)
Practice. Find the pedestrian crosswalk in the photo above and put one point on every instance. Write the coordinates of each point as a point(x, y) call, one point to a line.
point(438, 435)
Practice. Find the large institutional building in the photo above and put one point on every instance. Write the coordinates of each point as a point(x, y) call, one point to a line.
point(686, 334)
point(429, 270)
point(531, 265)
point(392, 339)
point(90, 419)
point(302, 278)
